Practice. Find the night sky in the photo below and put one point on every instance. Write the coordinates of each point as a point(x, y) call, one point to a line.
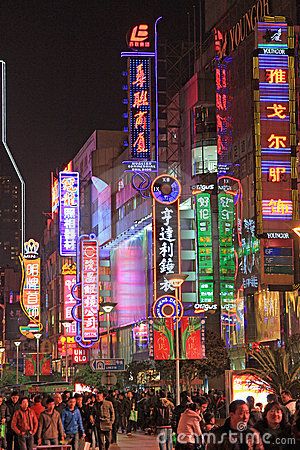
point(64, 78)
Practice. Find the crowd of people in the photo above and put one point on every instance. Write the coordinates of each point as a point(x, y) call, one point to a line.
point(96, 419)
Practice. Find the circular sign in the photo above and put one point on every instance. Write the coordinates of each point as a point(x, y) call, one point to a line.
point(165, 189)
point(165, 307)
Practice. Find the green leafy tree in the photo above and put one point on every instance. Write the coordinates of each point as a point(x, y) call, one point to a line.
point(9, 377)
point(278, 368)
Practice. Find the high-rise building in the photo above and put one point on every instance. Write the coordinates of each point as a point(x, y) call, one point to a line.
point(10, 232)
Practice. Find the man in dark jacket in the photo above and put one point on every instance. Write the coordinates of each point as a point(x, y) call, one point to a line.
point(130, 409)
point(103, 416)
point(24, 423)
point(13, 405)
point(235, 434)
point(72, 423)
point(50, 428)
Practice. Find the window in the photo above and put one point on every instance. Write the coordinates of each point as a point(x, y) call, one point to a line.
point(205, 157)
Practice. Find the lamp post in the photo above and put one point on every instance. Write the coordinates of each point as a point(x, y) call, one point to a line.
point(2, 350)
point(176, 280)
point(17, 344)
point(66, 323)
point(107, 308)
point(38, 337)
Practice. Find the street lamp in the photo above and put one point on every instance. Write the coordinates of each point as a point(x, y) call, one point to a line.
point(17, 344)
point(65, 323)
point(107, 308)
point(176, 280)
point(37, 337)
point(2, 350)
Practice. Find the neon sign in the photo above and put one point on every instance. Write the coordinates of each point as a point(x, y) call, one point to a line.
point(223, 104)
point(90, 290)
point(69, 280)
point(30, 297)
point(139, 36)
point(68, 212)
point(274, 119)
point(204, 248)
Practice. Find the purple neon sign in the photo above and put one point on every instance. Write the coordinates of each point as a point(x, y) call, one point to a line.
point(68, 212)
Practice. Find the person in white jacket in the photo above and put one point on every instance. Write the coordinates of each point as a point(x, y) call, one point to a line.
point(189, 431)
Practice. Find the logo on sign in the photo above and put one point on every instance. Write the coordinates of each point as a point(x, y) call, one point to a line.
point(139, 36)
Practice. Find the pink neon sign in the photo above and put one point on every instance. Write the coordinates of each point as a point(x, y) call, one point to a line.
point(90, 290)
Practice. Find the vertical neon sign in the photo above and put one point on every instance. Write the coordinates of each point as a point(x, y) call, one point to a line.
point(204, 248)
point(90, 290)
point(30, 296)
point(275, 128)
point(68, 212)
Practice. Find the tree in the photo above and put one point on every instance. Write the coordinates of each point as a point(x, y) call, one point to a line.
point(278, 368)
point(140, 372)
point(9, 377)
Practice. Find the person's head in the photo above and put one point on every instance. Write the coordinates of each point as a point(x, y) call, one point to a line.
point(71, 403)
point(37, 399)
point(203, 404)
point(272, 398)
point(79, 401)
point(57, 398)
point(121, 396)
point(15, 396)
point(286, 396)
point(129, 395)
point(50, 405)
point(24, 403)
point(162, 394)
point(100, 396)
point(192, 407)
point(1, 400)
point(259, 406)
point(209, 420)
point(274, 415)
point(250, 401)
point(239, 413)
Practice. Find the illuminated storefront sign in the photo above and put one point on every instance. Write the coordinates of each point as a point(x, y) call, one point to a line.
point(223, 106)
point(226, 42)
point(204, 248)
point(166, 234)
point(68, 212)
point(249, 256)
point(139, 36)
point(30, 288)
point(275, 128)
point(166, 305)
point(90, 290)
point(69, 280)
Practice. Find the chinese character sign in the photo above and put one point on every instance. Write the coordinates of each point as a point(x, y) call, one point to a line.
point(192, 338)
point(69, 302)
point(166, 246)
point(30, 295)
point(163, 338)
point(68, 212)
point(204, 247)
point(223, 107)
point(139, 115)
point(90, 289)
point(274, 118)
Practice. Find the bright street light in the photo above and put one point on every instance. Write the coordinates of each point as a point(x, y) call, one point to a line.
point(38, 337)
point(17, 344)
point(107, 308)
point(176, 280)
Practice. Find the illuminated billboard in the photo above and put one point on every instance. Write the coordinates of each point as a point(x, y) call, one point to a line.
point(204, 248)
point(275, 128)
point(89, 290)
point(139, 107)
point(68, 212)
point(30, 295)
point(68, 281)
point(166, 192)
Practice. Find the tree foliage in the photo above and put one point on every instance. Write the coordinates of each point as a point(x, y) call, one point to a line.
point(277, 367)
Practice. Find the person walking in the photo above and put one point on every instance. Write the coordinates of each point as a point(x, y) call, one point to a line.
point(59, 404)
point(24, 423)
point(189, 430)
point(50, 429)
point(37, 407)
point(72, 423)
point(103, 416)
point(163, 419)
point(13, 404)
point(130, 412)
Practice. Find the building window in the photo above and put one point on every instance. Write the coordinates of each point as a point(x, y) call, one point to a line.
point(204, 158)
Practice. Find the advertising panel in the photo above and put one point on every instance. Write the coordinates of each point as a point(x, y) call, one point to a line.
point(163, 339)
point(90, 290)
point(30, 364)
point(275, 128)
point(192, 338)
point(68, 212)
point(30, 296)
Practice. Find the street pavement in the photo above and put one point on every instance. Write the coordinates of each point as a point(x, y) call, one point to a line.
point(136, 441)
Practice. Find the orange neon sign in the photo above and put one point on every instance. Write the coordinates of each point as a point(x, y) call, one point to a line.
point(139, 36)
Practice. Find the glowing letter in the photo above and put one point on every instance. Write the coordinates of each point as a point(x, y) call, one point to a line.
point(277, 141)
point(277, 111)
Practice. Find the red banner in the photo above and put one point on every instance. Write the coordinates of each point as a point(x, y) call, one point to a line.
point(192, 338)
point(30, 364)
point(163, 338)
